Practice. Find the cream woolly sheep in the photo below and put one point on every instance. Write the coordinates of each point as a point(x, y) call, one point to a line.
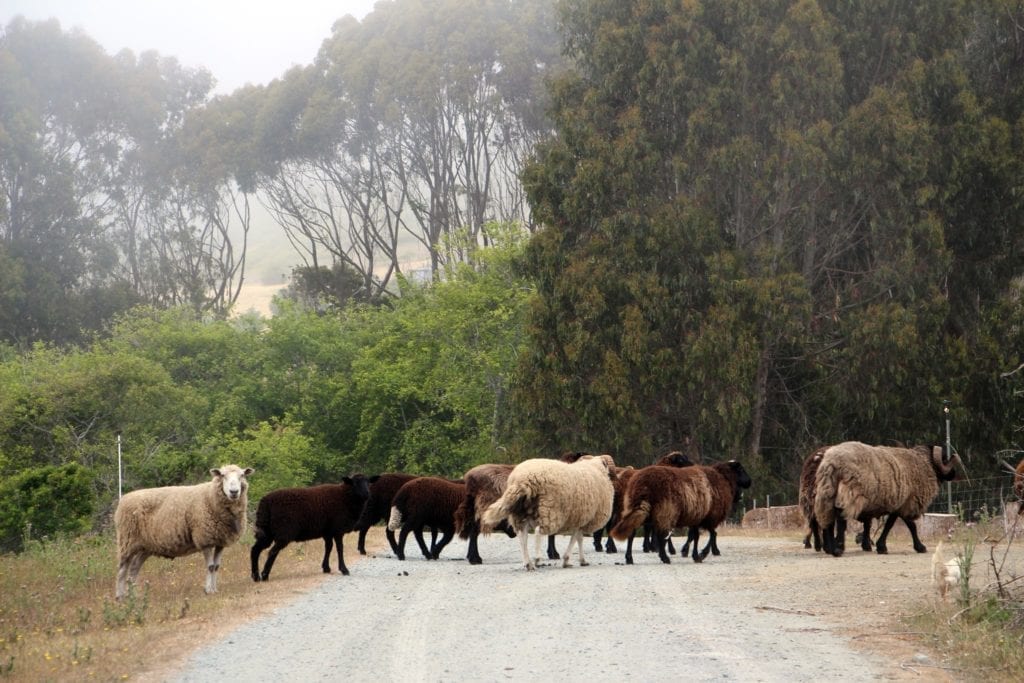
point(173, 521)
point(555, 497)
point(855, 480)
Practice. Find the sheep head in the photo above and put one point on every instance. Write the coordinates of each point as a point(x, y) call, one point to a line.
point(232, 480)
point(360, 485)
point(946, 464)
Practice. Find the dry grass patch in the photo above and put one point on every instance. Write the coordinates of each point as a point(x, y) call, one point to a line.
point(59, 620)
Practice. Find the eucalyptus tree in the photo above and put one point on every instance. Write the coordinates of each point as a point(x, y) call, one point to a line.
point(750, 224)
point(409, 129)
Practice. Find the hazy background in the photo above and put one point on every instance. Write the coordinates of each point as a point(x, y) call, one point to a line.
point(239, 43)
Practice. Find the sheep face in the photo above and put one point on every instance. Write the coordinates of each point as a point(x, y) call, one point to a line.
point(360, 485)
point(743, 480)
point(232, 480)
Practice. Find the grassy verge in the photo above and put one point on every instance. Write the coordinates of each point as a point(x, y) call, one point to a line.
point(979, 624)
point(59, 621)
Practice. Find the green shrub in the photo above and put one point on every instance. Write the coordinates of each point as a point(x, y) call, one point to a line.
point(43, 502)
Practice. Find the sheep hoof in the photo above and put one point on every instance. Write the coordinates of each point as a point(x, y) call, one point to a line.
point(584, 563)
point(344, 572)
point(475, 560)
point(882, 550)
point(327, 570)
point(920, 548)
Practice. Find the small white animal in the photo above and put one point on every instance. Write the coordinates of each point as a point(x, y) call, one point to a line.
point(945, 573)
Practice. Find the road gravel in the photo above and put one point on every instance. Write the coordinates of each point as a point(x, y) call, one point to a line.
point(765, 610)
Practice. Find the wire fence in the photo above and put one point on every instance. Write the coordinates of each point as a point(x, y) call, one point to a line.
point(971, 500)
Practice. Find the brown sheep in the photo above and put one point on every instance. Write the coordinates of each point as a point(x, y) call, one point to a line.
point(696, 497)
point(806, 504)
point(856, 480)
point(484, 485)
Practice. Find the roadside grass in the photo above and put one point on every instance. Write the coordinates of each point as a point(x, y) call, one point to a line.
point(59, 620)
point(979, 625)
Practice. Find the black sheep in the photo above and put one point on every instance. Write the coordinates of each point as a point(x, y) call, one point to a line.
point(426, 502)
point(327, 511)
point(383, 488)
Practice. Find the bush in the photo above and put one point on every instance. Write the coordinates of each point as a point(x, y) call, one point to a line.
point(45, 501)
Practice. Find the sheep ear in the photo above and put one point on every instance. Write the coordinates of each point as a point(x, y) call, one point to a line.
point(247, 471)
point(215, 471)
point(348, 480)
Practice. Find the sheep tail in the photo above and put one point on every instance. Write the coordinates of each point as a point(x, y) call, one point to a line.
point(826, 489)
point(395, 521)
point(631, 521)
point(499, 510)
point(464, 515)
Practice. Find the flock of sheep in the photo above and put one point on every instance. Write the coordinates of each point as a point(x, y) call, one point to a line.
point(575, 495)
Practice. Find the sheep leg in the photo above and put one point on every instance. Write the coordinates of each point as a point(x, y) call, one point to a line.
point(880, 545)
point(524, 532)
point(392, 541)
point(261, 544)
point(693, 536)
point(712, 544)
point(361, 541)
point(912, 526)
point(567, 558)
point(328, 546)
point(629, 547)
point(597, 540)
point(400, 548)
point(658, 540)
point(212, 557)
point(865, 536)
point(436, 548)
point(427, 553)
point(473, 554)
point(271, 556)
point(609, 545)
point(552, 551)
point(537, 540)
point(670, 548)
point(685, 550)
point(341, 555)
point(136, 565)
point(579, 547)
point(127, 570)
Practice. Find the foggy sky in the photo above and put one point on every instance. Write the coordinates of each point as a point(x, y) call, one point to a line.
point(239, 42)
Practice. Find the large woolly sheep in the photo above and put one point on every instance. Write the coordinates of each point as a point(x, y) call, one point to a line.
point(855, 480)
point(173, 521)
point(555, 497)
point(426, 502)
point(805, 501)
point(383, 488)
point(484, 485)
point(698, 497)
point(327, 511)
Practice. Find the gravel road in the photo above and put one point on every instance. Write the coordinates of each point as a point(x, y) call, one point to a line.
point(765, 610)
